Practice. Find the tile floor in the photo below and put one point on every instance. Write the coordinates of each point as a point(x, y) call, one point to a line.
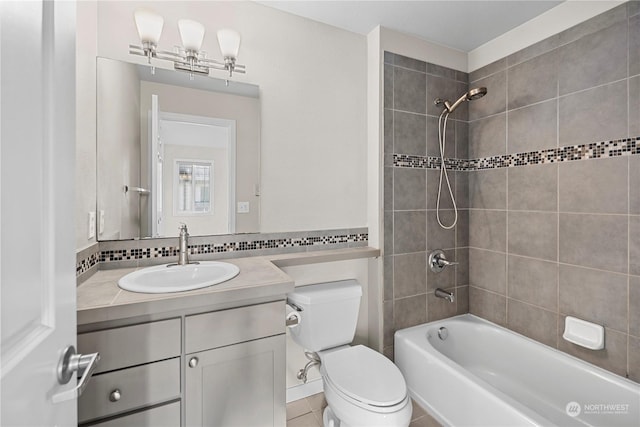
point(307, 412)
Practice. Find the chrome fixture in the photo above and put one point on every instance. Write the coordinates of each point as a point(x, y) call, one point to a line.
point(473, 94)
point(443, 333)
point(441, 293)
point(314, 360)
point(183, 247)
point(183, 240)
point(187, 57)
point(139, 190)
point(438, 261)
point(293, 318)
point(296, 307)
point(70, 363)
point(115, 395)
point(193, 362)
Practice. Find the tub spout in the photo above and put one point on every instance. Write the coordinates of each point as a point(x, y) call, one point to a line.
point(441, 293)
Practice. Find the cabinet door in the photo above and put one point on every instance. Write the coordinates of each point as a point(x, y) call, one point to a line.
point(239, 385)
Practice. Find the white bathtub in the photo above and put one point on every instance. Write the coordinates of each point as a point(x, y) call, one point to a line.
point(486, 375)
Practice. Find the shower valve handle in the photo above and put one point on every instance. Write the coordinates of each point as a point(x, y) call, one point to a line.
point(438, 261)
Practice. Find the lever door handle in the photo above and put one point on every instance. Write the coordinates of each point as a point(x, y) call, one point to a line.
point(70, 362)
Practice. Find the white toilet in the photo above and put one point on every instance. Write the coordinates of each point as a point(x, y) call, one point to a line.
point(361, 386)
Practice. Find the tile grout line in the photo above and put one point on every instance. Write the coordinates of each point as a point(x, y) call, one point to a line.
point(426, 217)
point(558, 325)
point(506, 149)
point(628, 367)
point(555, 262)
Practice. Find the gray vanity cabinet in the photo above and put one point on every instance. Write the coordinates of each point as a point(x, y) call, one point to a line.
point(235, 367)
point(237, 385)
point(218, 368)
point(139, 367)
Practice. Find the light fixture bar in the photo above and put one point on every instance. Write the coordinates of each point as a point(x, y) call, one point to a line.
point(188, 57)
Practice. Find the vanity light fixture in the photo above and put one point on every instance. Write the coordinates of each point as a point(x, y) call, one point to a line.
point(189, 57)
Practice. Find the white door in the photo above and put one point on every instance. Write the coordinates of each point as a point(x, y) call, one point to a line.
point(37, 262)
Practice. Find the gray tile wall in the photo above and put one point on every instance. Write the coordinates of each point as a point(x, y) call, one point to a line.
point(547, 241)
point(410, 225)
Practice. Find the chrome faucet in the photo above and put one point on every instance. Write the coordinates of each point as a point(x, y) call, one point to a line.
point(183, 247)
point(441, 293)
point(183, 242)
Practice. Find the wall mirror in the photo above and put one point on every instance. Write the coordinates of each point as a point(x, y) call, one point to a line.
point(174, 148)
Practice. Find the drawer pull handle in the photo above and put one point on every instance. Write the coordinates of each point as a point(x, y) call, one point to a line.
point(115, 395)
point(193, 362)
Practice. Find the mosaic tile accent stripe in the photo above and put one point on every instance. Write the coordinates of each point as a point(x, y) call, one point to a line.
point(84, 265)
point(278, 243)
point(288, 240)
point(594, 150)
point(211, 248)
point(429, 162)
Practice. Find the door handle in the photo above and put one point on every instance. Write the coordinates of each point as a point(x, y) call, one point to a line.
point(70, 362)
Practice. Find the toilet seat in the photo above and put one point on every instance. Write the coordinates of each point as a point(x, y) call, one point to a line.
point(365, 377)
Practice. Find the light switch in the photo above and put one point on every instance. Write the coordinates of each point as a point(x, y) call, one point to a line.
point(101, 222)
point(92, 225)
point(243, 207)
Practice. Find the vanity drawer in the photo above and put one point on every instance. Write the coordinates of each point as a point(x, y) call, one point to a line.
point(160, 416)
point(139, 386)
point(132, 345)
point(226, 327)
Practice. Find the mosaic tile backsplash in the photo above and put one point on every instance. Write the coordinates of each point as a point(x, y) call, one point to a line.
point(114, 252)
point(85, 264)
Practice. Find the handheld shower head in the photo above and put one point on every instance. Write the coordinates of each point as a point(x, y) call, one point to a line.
point(476, 93)
point(473, 94)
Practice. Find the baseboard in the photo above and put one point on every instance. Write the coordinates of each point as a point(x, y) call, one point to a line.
point(304, 390)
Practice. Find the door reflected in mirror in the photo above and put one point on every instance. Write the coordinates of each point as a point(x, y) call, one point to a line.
point(173, 150)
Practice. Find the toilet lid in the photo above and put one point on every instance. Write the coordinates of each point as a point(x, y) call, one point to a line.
point(365, 375)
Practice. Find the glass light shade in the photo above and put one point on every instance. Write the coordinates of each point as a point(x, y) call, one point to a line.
point(149, 25)
point(191, 33)
point(229, 41)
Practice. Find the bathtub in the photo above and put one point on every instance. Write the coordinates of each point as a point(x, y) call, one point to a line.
point(484, 375)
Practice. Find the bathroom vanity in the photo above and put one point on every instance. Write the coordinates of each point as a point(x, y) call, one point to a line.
point(214, 356)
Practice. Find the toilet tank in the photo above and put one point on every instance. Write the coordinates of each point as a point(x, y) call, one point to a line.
point(329, 314)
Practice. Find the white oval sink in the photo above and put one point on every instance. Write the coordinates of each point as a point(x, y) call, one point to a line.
point(178, 278)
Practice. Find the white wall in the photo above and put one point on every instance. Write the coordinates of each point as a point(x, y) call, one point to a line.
point(313, 100)
point(85, 182)
point(118, 149)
